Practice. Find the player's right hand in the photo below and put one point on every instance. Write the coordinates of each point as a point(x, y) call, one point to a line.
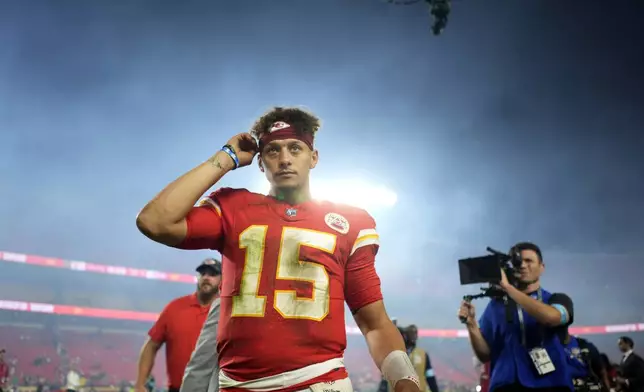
point(245, 147)
point(468, 313)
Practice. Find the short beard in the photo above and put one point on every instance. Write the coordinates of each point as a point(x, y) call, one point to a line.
point(206, 296)
point(523, 284)
point(201, 290)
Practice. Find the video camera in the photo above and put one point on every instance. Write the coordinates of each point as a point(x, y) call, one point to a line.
point(592, 382)
point(487, 269)
point(590, 385)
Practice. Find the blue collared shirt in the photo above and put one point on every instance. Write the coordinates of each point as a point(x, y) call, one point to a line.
point(510, 361)
point(578, 368)
point(583, 357)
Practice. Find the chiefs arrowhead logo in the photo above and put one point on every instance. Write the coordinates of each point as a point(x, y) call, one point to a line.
point(337, 222)
point(279, 125)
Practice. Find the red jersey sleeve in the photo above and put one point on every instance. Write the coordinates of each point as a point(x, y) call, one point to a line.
point(205, 222)
point(158, 331)
point(362, 283)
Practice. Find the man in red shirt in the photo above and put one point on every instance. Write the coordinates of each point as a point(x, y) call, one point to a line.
point(4, 372)
point(483, 370)
point(178, 326)
point(290, 264)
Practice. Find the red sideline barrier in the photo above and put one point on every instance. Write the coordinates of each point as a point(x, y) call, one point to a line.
point(145, 316)
point(83, 266)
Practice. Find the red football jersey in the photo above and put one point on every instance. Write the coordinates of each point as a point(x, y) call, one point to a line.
point(287, 271)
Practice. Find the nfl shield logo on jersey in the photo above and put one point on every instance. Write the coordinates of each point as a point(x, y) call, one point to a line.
point(291, 212)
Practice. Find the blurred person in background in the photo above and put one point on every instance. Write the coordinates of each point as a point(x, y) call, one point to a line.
point(43, 385)
point(419, 358)
point(526, 354)
point(4, 372)
point(483, 371)
point(202, 371)
point(630, 376)
point(73, 378)
point(586, 366)
point(611, 370)
point(293, 263)
point(151, 385)
point(178, 327)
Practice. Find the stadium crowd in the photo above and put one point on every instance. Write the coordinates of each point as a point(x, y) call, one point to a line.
point(42, 349)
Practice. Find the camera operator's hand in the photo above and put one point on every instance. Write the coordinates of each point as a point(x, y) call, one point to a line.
point(467, 312)
point(504, 283)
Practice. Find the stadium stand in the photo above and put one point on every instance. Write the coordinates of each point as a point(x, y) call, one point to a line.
point(97, 317)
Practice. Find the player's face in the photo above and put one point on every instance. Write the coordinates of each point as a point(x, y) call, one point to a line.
point(287, 163)
point(531, 267)
point(208, 283)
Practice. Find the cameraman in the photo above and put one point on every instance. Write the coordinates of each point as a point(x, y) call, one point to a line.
point(586, 365)
point(520, 333)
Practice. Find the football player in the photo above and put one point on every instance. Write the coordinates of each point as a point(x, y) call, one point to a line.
point(289, 264)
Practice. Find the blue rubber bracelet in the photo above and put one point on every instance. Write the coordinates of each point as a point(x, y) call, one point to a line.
point(231, 153)
point(563, 320)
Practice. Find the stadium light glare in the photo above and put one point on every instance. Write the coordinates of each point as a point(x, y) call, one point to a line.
point(356, 193)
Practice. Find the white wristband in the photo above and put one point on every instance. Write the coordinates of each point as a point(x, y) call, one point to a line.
point(397, 366)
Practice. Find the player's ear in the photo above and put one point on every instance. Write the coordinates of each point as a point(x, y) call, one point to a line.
point(314, 159)
point(260, 164)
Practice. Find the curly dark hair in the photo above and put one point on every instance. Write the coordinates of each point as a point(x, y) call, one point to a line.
point(300, 119)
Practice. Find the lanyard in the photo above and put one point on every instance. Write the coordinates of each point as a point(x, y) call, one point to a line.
point(521, 322)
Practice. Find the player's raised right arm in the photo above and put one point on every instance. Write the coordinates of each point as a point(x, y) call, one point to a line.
point(163, 219)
